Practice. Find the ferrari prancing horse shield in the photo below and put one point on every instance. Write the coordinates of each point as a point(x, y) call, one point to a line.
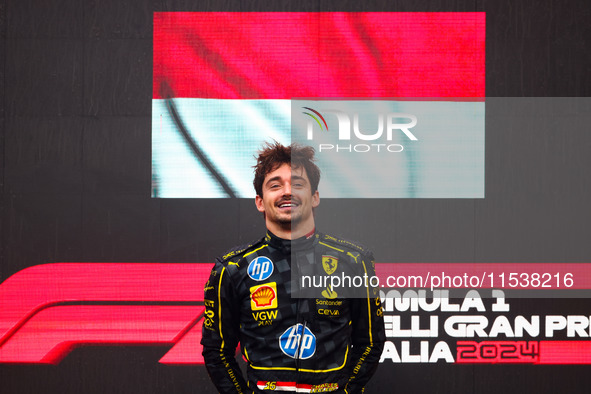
point(329, 263)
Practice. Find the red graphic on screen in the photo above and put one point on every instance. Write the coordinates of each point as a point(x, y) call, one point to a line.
point(279, 55)
point(46, 311)
point(565, 352)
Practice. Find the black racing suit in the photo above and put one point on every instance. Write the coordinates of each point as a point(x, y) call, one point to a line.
point(322, 344)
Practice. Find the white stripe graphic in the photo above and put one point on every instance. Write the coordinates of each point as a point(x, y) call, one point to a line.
point(445, 161)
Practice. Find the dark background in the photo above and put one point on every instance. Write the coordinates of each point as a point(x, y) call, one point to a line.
point(75, 177)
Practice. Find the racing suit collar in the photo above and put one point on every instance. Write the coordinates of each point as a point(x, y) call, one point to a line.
point(297, 244)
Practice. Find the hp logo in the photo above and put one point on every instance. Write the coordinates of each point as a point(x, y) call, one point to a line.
point(298, 342)
point(260, 268)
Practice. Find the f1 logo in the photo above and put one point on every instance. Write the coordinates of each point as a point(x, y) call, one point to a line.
point(48, 310)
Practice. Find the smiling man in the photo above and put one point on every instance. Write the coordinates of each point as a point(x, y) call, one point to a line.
point(286, 197)
point(323, 342)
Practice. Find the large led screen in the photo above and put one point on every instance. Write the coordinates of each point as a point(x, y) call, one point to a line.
point(393, 103)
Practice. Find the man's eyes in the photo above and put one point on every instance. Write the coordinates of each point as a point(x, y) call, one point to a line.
point(295, 184)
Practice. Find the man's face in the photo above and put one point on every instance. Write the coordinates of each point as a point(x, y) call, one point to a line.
point(288, 199)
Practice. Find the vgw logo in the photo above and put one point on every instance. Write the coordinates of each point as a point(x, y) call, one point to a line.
point(388, 124)
point(298, 342)
point(260, 268)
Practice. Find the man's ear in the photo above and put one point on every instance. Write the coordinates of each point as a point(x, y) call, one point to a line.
point(315, 199)
point(258, 200)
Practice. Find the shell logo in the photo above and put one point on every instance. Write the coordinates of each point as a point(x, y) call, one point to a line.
point(263, 296)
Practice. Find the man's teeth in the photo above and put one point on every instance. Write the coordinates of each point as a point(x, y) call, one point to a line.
point(284, 205)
